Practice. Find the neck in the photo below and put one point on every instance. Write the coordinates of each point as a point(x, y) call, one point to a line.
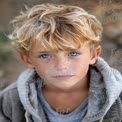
point(63, 101)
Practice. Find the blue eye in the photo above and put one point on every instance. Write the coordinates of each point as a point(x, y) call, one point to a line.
point(44, 56)
point(74, 54)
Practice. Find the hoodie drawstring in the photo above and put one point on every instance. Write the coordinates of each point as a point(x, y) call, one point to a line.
point(27, 116)
point(101, 119)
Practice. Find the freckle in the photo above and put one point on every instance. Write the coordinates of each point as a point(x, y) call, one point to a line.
point(46, 72)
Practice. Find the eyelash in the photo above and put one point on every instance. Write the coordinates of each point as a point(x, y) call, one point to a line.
point(46, 56)
point(76, 53)
point(42, 56)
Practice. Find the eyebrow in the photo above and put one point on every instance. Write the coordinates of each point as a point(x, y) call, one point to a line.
point(41, 52)
point(44, 52)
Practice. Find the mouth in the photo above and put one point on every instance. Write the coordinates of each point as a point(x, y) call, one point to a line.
point(63, 77)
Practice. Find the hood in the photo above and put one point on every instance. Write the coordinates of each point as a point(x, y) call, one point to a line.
point(105, 88)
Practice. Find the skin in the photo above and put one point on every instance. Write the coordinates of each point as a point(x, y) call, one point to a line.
point(65, 75)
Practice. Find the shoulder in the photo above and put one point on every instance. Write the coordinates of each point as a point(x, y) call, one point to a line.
point(9, 95)
point(10, 91)
point(115, 111)
point(10, 102)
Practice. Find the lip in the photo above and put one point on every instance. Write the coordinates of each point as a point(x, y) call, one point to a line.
point(63, 77)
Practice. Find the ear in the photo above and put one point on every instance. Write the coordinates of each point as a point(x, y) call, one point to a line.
point(26, 60)
point(95, 55)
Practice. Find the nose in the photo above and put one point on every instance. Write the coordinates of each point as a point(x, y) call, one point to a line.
point(62, 63)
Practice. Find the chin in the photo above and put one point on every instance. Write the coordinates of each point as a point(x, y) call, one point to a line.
point(65, 86)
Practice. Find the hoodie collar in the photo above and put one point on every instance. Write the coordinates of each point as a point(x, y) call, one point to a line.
point(105, 88)
point(26, 85)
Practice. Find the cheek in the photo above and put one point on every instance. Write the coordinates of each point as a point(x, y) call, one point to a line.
point(82, 66)
point(45, 70)
point(40, 68)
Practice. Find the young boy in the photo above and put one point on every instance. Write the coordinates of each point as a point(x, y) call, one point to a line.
point(66, 80)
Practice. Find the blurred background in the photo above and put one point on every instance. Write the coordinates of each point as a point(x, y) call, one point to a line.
point(109, 12)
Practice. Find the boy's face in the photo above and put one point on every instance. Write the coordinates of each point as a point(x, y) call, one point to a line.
point(64, 69)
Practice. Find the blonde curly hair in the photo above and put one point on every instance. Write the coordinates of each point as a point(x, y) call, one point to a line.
point(55, 27)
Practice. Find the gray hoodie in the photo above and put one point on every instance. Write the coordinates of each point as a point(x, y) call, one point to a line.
point(19, 102)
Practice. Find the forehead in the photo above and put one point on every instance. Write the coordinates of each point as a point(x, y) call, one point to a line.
point(38, 48)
